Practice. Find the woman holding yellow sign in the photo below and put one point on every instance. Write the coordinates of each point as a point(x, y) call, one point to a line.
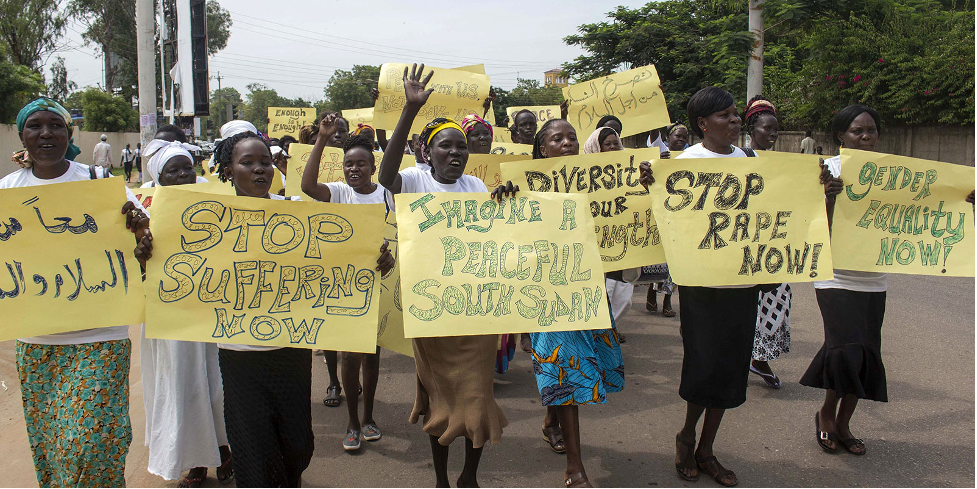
point(454, 373)
point(74, 385)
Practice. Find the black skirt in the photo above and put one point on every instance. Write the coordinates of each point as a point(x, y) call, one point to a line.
point(850, 360)
point(268, 414)
point(717, 335)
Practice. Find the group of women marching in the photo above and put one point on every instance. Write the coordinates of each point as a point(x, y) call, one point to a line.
point(208, 405)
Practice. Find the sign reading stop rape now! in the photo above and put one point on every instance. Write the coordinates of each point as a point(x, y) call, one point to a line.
point(456, 93)
point(741, 221)
point(253, 271)
point(903, 215)
point(470, 265)
point(624, 225)
point(634, 96)
point(67, 259)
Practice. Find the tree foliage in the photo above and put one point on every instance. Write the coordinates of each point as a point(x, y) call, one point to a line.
point(912, 60)
point(525, 93)
point(350, 89)
point(105, 112)
point(60, 86)
point(218, 27)
point(30, 30)
point(219, 100)
point(18, 84)
point(256, 103)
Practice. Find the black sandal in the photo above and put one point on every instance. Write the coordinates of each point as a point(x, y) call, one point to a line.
point(332, 396)
point(720, 473)
point(823, 436)
point(689, 461)
point(554, 436)
point(851, 442)
point(577, 479)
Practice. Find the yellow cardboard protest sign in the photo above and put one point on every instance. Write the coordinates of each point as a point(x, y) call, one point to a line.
point(512, 149)
point(145, 195)
point(903, 215)
point(480, 69)
point(471, 265)
point(390, 334)
point(253, 271)
point(456, 94)
point(501, 135)
point(288, 120)
point(543, 113)
point(330, 168)
point(634, 96)
point(358, 116)
point(741, 221)
point(485, 167)
point(624, 226)
point(68, 257)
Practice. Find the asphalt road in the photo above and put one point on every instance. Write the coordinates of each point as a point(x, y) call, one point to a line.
point(923, 437)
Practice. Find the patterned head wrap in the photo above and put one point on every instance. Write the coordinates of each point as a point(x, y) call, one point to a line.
point(363, 127)
point(161, 151)
point(760, 106)
point(675, 127)
point(471, 120)
point(43, 103)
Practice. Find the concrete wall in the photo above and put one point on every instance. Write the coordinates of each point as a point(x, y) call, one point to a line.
point(86, 141)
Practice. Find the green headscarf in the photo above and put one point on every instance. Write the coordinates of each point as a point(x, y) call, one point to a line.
point(44, 103)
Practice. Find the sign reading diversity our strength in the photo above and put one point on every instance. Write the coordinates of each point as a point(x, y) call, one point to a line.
point(253, 271)
point(634, 96)
point(740, 221)
point(288, 120)
point(68, 259)
point(903, 215)
point(457, 93)
point(471, 265)
point(625, 227)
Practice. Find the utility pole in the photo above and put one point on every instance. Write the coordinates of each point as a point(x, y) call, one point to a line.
point(754, 71)
point(146, 68)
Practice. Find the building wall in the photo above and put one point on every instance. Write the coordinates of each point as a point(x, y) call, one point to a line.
point(86, 141)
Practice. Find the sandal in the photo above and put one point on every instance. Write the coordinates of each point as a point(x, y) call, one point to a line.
point(651, 306)
point(578, 479)
point(719, 474)
point(849, 443)
point(823, 436)
point(554, 436)
point(771, 379)
point(669, 313)
point(225, 471)
point(200, 473)
point(683, 446)
point(332, 396)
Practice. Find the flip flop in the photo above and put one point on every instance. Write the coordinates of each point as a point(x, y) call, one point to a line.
point(554, 436)
point(720, 473)
point(669, 313)
point(851, 442)
point(823, 436)
point(578, 479)
point(651, 306)
point(771, 379)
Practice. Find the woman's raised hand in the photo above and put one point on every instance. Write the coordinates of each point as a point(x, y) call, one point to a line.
point(503, 191)
point(488, 100)
point(414, 86)
point(375, 94)
point(646, 177)
point(136, 220)
point(564, 109)
point(327, 125)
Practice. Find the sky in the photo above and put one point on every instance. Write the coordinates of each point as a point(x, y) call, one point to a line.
point(294, 46)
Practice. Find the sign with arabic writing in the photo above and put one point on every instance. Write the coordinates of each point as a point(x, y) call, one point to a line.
point(67, 260)
point(634, 96)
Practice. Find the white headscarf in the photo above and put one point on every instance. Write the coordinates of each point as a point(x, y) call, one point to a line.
point(160, 151)
point(592, 145)
point(237, 127)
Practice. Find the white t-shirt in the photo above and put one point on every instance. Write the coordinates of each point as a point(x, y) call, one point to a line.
point(342, 193)
point(76, 172)
point(128, 155)
point(807, 145)
point(231, 346)
point(415, 181)
point(851, 279)
point(699, 151)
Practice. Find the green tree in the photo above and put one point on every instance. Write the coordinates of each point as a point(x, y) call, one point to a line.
point(110, 25)
point(106, 112)
point(219, 99)
point(526, 92)
point(256, 104)
point(60, 86)
point(218, 27)
point(350, 89)
point(30, 30)
point(18, 84)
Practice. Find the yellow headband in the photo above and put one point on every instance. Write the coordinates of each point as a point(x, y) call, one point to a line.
point(448, 124)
